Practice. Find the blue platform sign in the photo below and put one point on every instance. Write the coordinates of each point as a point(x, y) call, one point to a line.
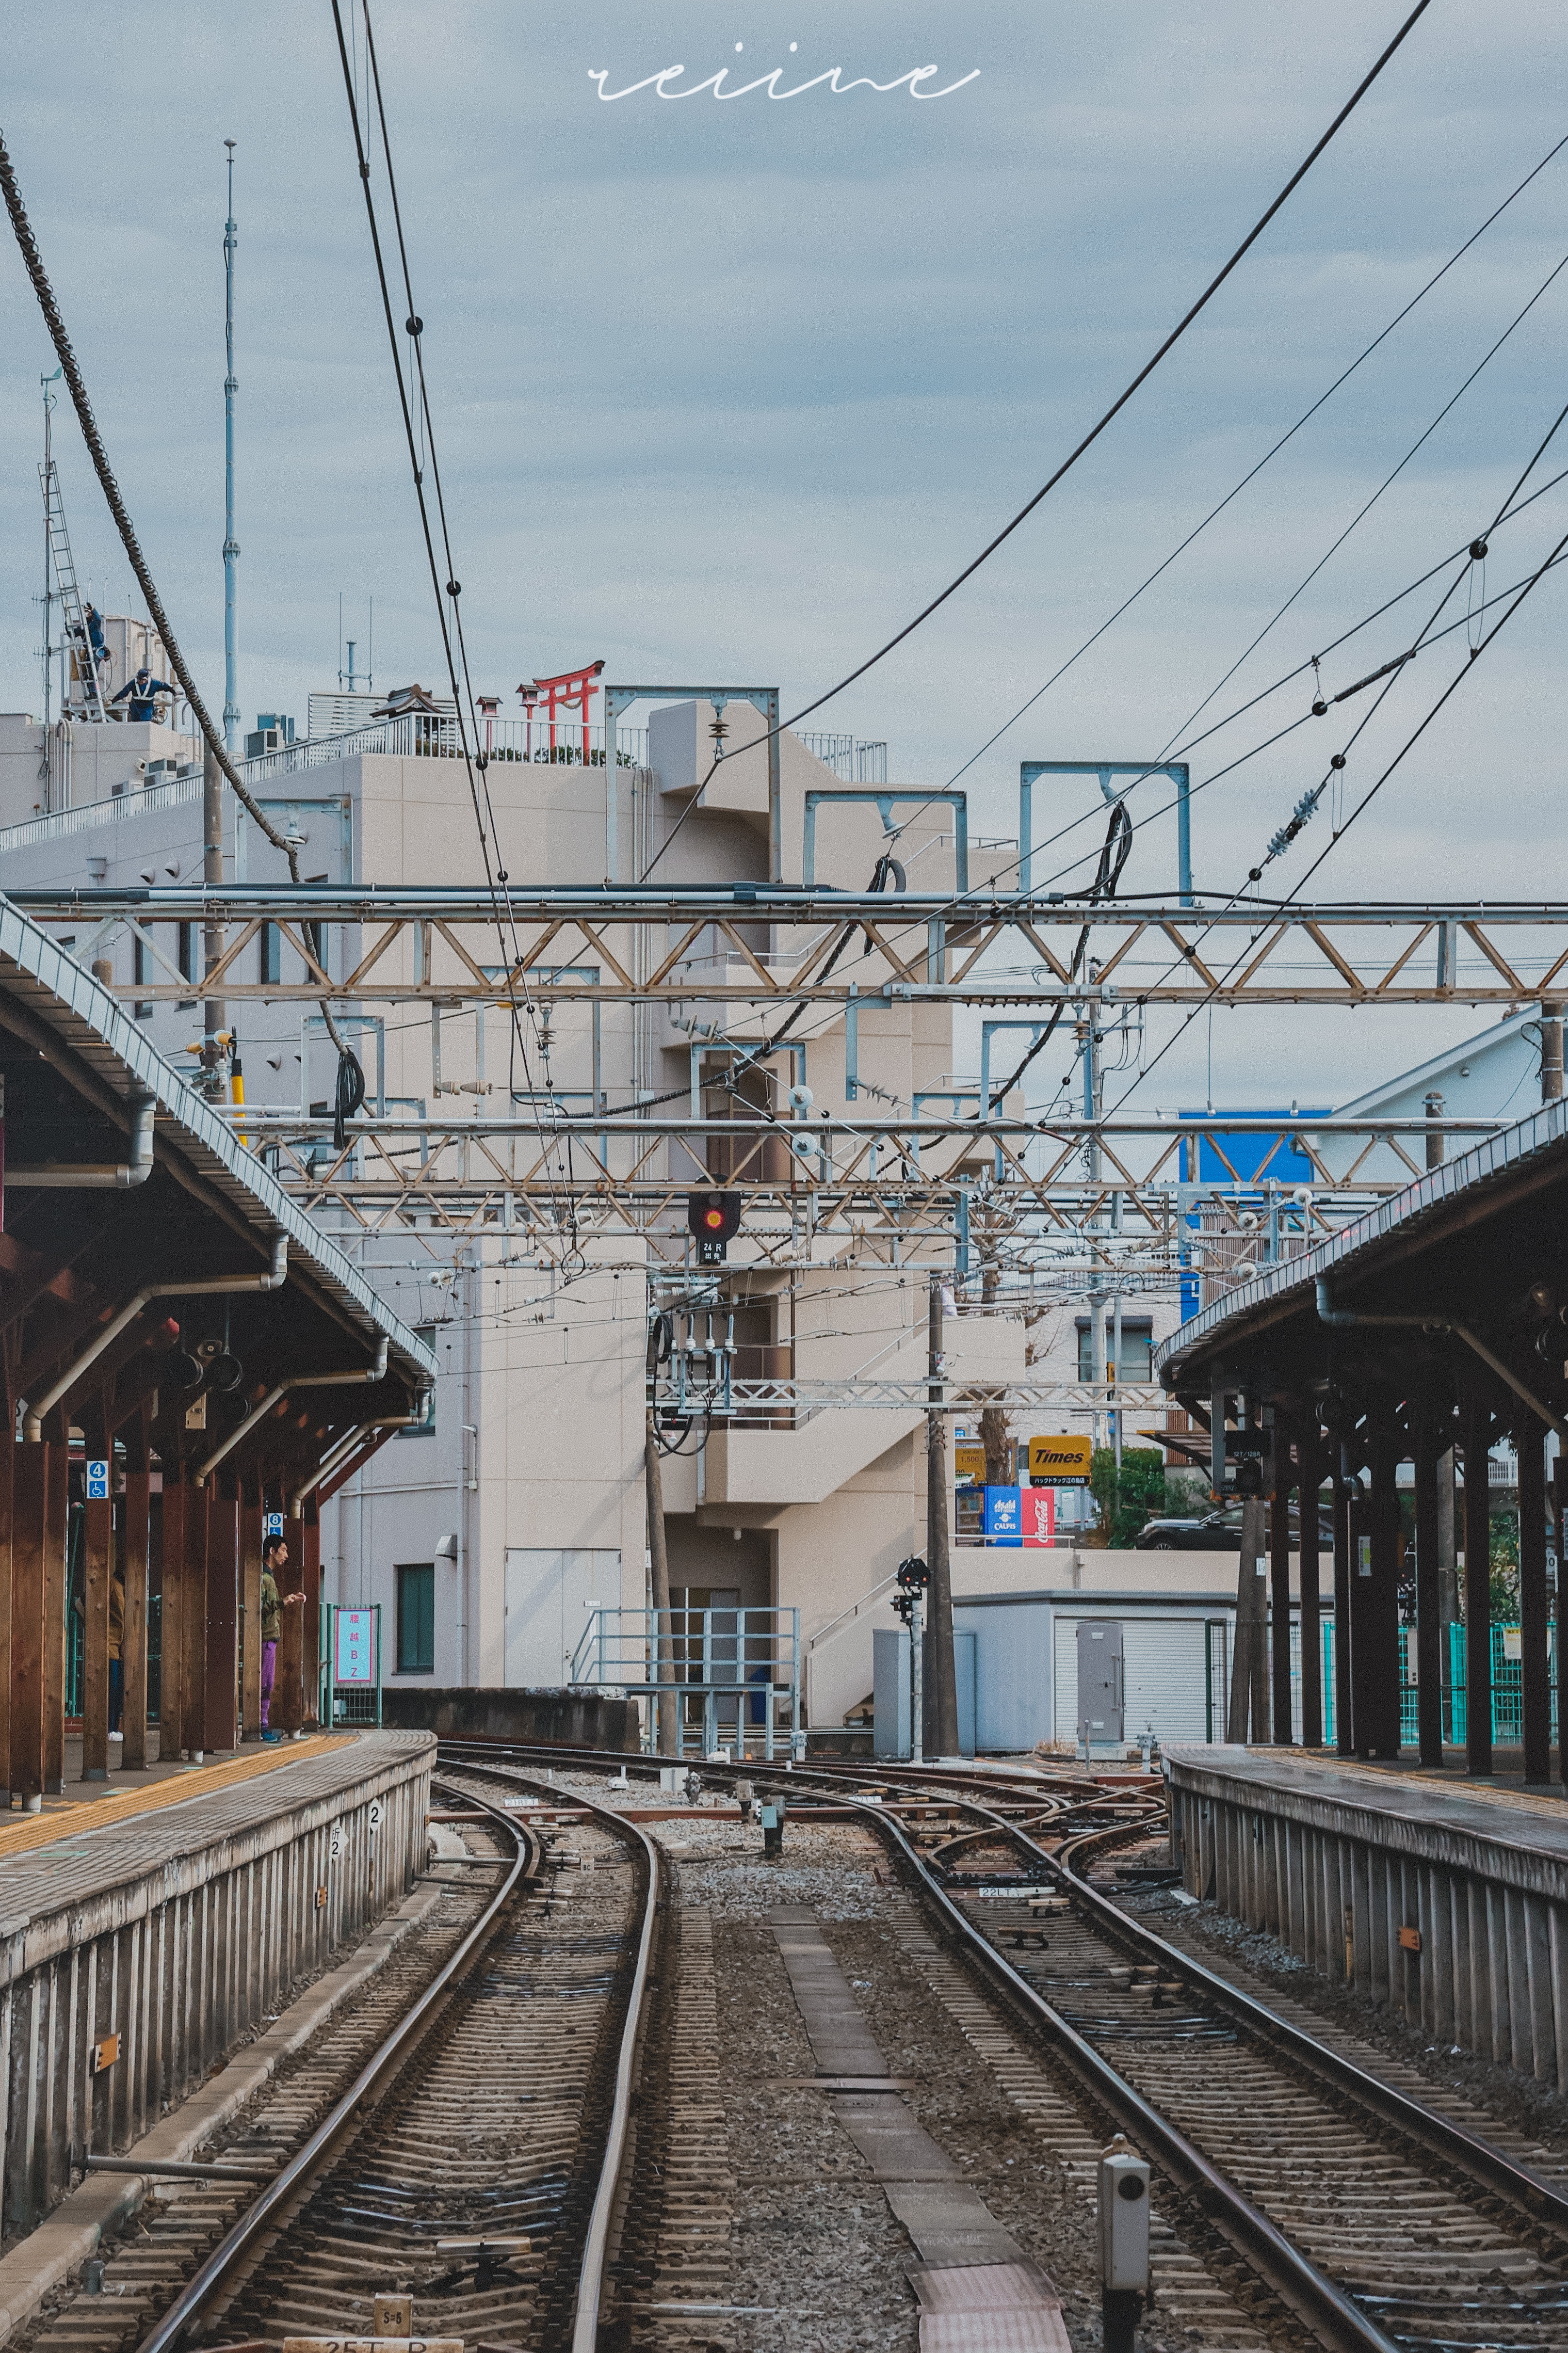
point(97, 1483)
point(272, 1523)
point(1004, 1516)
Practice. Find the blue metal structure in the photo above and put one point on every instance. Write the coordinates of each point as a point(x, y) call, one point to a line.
point(230, 544)
point(957, 801)
point(1105, 769)
point(732, 1669)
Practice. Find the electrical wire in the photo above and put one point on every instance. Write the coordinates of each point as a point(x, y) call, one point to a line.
point(414, 330)
point(1147, 370)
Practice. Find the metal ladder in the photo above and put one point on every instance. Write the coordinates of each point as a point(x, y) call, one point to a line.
point(76, 630)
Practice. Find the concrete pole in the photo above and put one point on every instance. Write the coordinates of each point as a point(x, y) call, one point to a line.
point(230, 544)
point(668, 1737)
point(1550, 1052)
point(1434, 1142)
point(212, 875)
point(943, 1727)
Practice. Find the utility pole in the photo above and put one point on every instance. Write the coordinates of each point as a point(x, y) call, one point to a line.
point(668, 1729)
point(47, 770)
point(230, 544)
point(944, 1701)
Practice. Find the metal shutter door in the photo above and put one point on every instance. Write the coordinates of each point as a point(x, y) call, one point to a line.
point(1166, 1678)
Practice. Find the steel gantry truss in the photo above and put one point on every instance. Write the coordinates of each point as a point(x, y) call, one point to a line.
point(399, 945)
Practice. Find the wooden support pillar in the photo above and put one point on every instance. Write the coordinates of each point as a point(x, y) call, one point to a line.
point(222, 1698)
point(250, 1608)
point(1310, 1455)
point(1382, 1512)
point(170, 1611)
point(30, 1471)
point(1428, 1594)
point(1478, 1424)
point(288, 1673)
point(311, 1631)
point(1529, 1437)
point(138, 1558)
point(7, 1479)
point(194, 1617)
point(1560, 1512)
point(57, 1520)
point(1279, 1579)
point(97, 1568)
point(1344, 1711)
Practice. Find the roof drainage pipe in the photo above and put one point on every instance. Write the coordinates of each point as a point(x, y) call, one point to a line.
point(95, 1175)
point(376, 1372)
point(340, 1454)
point(1341, 1316)
point(178, 1287)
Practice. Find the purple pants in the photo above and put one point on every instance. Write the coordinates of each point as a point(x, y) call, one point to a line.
point(269, 1661)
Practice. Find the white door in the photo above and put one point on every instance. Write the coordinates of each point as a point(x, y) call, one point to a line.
point(548, 1616)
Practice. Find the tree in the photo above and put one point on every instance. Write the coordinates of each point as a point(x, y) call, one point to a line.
point(1128, 1498)
point(1503, 1550)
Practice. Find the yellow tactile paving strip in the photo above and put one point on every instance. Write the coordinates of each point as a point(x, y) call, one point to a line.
point(30, 1832)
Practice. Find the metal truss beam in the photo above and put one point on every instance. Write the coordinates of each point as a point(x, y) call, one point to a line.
point(806, 1398)
point(440, 946)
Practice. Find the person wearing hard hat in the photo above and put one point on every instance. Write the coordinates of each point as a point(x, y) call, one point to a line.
point(142, 691)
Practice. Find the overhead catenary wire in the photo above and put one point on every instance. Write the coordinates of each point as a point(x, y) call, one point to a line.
point(1092, 435)
point(451, 588)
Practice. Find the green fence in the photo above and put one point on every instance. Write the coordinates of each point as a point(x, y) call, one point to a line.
point(1507, 1676)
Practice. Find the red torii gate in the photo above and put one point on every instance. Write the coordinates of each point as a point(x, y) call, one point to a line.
point(573, 690)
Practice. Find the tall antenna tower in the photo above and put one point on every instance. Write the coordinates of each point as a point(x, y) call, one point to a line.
point(230, 544)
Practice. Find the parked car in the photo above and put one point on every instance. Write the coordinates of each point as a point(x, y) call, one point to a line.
point(1215, 1532)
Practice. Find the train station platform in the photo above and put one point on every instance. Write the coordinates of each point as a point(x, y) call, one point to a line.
point(148, 1923)
point(1443, 1896)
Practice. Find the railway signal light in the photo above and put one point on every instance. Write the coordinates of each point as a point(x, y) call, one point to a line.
point(715, 1219)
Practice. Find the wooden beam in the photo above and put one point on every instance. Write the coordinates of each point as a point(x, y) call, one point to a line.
point(1477, 1424)
point(222, 1622)
point(98, 1553)
point(250, 1607)
point(1529, 1437)
point(194, 1620)
point(171, 1635)
point(30, 1482)
point(55, 1522)
point(311, 1631)
point(138, 1523)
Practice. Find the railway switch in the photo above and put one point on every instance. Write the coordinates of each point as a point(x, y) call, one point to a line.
point(773, 1821)
point(1123, 2242)
point(744, 1795)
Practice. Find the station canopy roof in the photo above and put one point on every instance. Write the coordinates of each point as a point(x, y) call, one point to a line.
point(120, 1177)
point(1464, 1273)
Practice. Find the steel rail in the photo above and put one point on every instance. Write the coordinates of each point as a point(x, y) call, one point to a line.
point(1490, 2166)
point(595, 2248)
point(1340, 2323)
point(210, 2274)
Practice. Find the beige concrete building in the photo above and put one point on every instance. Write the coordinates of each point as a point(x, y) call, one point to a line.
point(524, 1502)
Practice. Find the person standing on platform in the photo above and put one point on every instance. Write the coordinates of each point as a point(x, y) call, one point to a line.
point(274, 1560)
point(116, 1672)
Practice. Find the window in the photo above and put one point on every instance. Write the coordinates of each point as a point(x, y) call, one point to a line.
point(1137, 1347)
point(417, 1618)
point(187, 959)
point(271, 954)
point(140, 961)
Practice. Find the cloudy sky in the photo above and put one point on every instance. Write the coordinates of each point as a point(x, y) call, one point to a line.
point(729, 388)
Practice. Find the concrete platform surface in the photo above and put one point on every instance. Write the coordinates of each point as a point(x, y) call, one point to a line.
point(75, 1850)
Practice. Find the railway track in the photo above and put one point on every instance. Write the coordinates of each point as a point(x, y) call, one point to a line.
point(457, 2141)
point(1374, 2220)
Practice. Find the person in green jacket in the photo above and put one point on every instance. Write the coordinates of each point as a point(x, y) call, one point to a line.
point(274, 1560)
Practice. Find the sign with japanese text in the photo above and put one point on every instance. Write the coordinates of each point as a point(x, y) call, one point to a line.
point(355, 1645)
point(1060, 1462)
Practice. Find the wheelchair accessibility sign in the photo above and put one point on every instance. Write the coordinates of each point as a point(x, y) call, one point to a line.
point(97, 1483)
